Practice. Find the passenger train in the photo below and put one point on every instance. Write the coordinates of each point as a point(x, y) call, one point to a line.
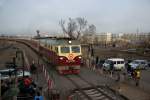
point(62, 53)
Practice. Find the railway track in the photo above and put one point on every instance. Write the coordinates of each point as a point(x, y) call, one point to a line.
point(92, 92)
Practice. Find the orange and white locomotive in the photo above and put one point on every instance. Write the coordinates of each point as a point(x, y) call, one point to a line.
point(62, 53)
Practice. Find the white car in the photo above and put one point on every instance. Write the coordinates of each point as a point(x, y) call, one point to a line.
point(118, 63)
point(141, 64)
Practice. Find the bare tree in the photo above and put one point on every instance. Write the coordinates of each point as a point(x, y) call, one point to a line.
point(75, 28)
point(70, 28)
point(91, 29)
point(62, 23)
point(82, 23)
point(38, 33)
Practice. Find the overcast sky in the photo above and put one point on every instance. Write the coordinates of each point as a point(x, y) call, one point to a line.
point(26, 16)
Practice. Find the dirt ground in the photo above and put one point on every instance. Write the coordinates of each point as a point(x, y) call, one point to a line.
point(104, 53)
point(6, 53)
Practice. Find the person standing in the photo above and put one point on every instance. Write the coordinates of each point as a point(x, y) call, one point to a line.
point(33, 67)
point(97, 62)
point(137, 76)
point(38, 97)
point(93, 63)
point(111, 68)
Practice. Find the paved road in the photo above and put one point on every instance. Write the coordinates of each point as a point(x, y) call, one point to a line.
point(145, 80)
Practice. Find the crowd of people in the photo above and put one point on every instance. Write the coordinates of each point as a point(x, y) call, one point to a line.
point(25, 85)
point(95, 63)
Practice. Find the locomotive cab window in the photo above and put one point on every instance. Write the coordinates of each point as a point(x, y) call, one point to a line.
point(65, 49)
point(75, 49)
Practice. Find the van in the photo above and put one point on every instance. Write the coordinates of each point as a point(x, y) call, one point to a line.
point(118, 63)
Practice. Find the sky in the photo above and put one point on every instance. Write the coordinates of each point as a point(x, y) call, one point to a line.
point(27, 16)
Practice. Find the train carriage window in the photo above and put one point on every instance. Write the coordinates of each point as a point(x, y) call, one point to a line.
point(45, 44)
point(75, 49)
point(56, 49)
point(65, 49)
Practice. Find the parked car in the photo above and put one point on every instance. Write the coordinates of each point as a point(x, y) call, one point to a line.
point(6, 73)
point(141, 64)
point(118, 63)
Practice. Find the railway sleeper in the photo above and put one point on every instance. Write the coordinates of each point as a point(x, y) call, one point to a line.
point(109, 93)
point(81, 96)
point(95, 95)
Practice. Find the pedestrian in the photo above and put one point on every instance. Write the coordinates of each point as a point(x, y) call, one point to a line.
point(132, 73)
point(97, 62)
point(129, 70)
point(111, 68)
point(93, 63)
point(118, 76)
point(88, 62)
point(26, 84)
point(32, 88)
point(92, 52)
point(38, 97)
point(4, 87)
point(33, 67)
point(137, 76)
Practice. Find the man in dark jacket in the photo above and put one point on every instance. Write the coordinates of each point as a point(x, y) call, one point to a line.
point(33, 67)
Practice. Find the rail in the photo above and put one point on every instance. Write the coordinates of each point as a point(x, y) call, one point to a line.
point(96, 92)
point(79, 88)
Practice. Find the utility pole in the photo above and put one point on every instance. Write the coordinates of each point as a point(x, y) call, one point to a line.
point(22, 61)
point(38, 36)
point(0, 88)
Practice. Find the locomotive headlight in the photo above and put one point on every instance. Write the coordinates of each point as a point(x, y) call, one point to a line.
point(80, 57)
point(69, 42)
point(61, 58)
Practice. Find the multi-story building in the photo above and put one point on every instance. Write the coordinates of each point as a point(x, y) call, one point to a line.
point(98, 38)
point(103, 38)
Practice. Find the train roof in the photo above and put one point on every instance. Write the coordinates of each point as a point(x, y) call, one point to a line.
point(54, 37)
point(59, 41)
